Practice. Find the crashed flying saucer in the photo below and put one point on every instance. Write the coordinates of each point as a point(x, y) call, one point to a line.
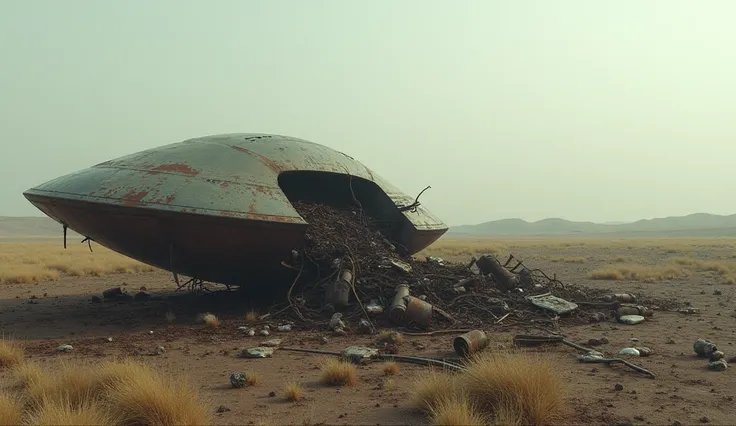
point(219, 207)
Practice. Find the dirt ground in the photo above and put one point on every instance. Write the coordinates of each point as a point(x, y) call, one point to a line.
point(48, 314)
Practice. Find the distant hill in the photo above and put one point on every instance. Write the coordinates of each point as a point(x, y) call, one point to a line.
point(22, 227)
point(698, 224)
point(694, 225)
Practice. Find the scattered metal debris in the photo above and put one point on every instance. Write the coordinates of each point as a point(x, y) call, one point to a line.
point(704, 348)
point(552, 303)
point(64, 348)
point(470, 342)
point(259, 352)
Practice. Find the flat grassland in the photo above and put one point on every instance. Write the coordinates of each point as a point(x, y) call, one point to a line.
point(645, 260)
point(45, 301)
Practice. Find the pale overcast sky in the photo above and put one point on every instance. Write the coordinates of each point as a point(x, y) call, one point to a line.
point(587, 110)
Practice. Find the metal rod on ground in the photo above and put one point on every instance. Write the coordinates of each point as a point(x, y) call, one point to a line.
point(400, 358)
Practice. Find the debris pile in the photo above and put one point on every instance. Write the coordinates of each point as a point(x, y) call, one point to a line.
point(350, 274)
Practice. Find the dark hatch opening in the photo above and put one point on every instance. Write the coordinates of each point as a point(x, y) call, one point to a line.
point(334, 189)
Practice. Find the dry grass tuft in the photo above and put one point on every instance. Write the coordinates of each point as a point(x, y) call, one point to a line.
point(432, 387)
point(11, 353)
point(390, 368)
point(53, 413)
point(391, 336)
point(40, 261)
point(457, 411)
point(144, 396)
point(642, 273)
point(336, 372)
point(527, 387)
point(293, 392)
point(29, 374)
point(251, 317)
point(252, 379)
point(65, 384)
point(211, 320)
point(11, 409)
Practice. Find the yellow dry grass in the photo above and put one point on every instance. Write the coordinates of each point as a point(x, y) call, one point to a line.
point(390, 368)
point(391, 336)
point(11, 409)
point(64, 413)
point(251, 316)
point(11, 353)
point(456, 411)
point(211, 320)
point(293, 392)
point(29, 262)
point(252, 379)
point(117, 393)
point(431, 387)
point(672, 268)
point(508, 388)
point(458, 248)
point(336, 372)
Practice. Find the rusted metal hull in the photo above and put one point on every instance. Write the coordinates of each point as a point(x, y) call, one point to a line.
point(212, 207)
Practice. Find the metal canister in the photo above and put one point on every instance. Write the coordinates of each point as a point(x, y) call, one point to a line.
point(417, 311)
point(627, 310)
point(398, 306)
point(470, 342)
point(338, 291)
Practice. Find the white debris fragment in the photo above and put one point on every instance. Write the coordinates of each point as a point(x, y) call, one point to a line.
point(64, 348)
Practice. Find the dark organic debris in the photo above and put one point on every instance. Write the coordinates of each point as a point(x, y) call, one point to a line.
point(346, 251)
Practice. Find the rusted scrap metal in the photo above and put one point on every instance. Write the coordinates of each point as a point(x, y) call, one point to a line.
point(490, 265)
point(221, 208)
point(589, 355)
point(552, 303)
point(470, 342)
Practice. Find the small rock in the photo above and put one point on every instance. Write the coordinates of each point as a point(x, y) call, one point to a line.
point(273, 343)
point(639, 418)
point(271, 394)
point(324, 340)
point(109, 339)
point(719, 365)
point(717, 293)
point(267, 328)
point(286, 327)
point(340, 332)
point(264, 332)
point(364, 327)
point(704, 419)
point(594, 342)
point(222, 409)
point(500, 346)
point(336, 322)
point(715, 356)
point(643, 351)
point(150, 332)
point(238, 380)
point(604, 340)
point(95, 299)
point(704, 347)
point(160, 350)
point(64, 348)
point(633, 339)
point(671, 341)
point(619, 387)
point(260, 352)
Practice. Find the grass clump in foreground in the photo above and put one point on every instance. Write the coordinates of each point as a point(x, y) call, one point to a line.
point(293, 392)
point(119, 393)
point(336, 372)
point(11, 353)
point(11, 409)
point(507, 388)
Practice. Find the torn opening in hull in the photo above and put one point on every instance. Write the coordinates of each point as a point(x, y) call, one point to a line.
point(345, 192)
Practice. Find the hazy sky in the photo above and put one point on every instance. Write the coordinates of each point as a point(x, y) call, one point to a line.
point(587, 110)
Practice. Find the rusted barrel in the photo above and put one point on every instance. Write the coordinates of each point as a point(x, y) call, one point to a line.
point(417, 311)
point(398, 306)
point(470, 342)
point(338, 291)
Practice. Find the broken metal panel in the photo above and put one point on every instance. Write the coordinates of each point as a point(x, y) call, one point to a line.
point(552, 303)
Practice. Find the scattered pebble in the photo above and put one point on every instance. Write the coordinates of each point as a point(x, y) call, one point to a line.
point(719, 365)
point(286, 327)
point(704, 419)
point(715, 356)
point(222, 409)
point(238, 380)
point(717, 293)
point(150, 332)
point(64, 348)
point(273, 343)
point(109, 339)
point(264, 332)
point(643, 351)
point(340, 332)
point(324, 340)
point(271, 394)
point(160, 350)
point(619, 387)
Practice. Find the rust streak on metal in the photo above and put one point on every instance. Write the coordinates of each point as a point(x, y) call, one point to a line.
point(177, 168)
point(267, 161)
point(270, 218)
point(133, 198)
